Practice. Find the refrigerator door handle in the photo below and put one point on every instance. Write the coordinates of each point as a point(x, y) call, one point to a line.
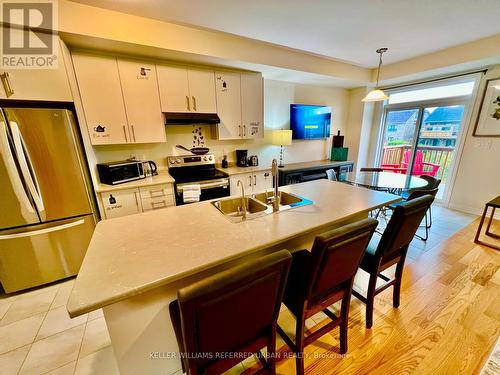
point(17, 184)
point(24, 159)
point(42, 231)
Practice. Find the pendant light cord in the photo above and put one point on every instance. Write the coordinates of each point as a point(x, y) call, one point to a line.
point(380, 51)
point(378, 71)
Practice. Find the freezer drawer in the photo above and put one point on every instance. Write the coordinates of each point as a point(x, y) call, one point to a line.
point(43, 253)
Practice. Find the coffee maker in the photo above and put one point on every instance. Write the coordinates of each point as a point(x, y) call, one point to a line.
point(241, 158)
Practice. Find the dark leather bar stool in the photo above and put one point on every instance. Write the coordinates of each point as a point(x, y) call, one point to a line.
point(390, 248)
point(234, 312)
point(320, 278)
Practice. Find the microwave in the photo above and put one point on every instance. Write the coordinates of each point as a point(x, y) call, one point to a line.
point(118, 172)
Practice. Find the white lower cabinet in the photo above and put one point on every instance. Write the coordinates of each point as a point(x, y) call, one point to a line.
point(125, 202)
point(253, 182)
point(121, 203)
point(262, 181)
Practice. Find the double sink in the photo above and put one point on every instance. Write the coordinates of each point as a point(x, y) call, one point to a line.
point(257, 205)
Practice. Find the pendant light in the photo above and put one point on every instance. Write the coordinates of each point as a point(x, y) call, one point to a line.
point(377, 95)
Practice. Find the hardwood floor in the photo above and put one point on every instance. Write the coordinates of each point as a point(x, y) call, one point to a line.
point(447, 323)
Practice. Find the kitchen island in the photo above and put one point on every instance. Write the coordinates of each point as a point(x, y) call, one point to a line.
point(135, 264)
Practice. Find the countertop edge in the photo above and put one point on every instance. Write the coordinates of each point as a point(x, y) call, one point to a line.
point(163, 177)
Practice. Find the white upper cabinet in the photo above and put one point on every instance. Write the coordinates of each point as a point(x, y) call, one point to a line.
point(174, 88)
point(186, 89)
point(36, 84)
point(228, 92)
point(120, 100)
point(202, 90)
point(240, 105)
point(252, 105)
point(102, 99)
point(142, 101)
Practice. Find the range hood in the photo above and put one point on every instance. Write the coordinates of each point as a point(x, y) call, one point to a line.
point(176, 118)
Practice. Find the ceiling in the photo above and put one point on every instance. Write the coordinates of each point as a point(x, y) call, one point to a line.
point(345, 30)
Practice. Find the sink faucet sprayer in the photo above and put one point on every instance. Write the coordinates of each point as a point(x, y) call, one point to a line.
point(243, 202)
point(276, 197)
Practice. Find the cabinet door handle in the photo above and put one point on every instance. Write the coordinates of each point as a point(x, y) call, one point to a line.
point(239, 130)
point(156, 193)
point(125, 133)
point(254, 179)
point(250, 178)
point(194, 103)
point(136, 200)
point(156, 205)
point(244, 131)
point(187, 103)
point(6, 84)
point(133, 133)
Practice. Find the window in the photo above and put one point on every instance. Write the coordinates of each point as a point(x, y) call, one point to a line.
point(448, 91)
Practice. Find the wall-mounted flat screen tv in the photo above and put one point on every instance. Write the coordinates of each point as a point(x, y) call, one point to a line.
point(310, 121)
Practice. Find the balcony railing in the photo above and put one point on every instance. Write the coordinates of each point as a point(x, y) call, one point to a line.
point(431, 154)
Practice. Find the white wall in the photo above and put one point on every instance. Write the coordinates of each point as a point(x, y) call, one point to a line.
point(478, 177)
point(277, 99)
point(359, 130)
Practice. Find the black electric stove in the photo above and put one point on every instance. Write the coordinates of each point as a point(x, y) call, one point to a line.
point(197, 170)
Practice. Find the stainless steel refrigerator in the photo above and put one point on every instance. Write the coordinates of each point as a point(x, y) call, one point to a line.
point(46, 207)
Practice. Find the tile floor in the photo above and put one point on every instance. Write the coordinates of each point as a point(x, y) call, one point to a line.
point(38, 337)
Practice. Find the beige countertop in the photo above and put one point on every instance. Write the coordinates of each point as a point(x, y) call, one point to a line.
point(161, 178)
point(313, 164)
point(240, 170)
point(133, 254)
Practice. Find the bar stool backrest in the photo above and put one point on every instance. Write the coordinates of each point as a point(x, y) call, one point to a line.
point(229, 310)
point(335, 257)
point(403, 225)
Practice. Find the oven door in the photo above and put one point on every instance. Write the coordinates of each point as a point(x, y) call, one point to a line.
point(210, 189)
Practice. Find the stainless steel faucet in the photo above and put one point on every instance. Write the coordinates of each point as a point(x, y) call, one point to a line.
point(276, 198)
point(243, 206)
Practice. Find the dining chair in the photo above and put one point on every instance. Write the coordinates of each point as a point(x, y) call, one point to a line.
point(390, 249)
point(321, 277)
point(431, 188)
point(331, 175)
point(234, 312)
point(420, 167)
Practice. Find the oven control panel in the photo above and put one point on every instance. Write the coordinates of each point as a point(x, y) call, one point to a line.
point(190, 160)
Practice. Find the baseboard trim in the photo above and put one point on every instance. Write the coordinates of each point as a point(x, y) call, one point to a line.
point(472, 210)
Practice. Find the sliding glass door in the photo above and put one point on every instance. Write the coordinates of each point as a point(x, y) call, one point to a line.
point(399, 138)
point(437, 142)
point(421, 139)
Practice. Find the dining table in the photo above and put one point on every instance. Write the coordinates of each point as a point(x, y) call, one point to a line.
point(392, 182)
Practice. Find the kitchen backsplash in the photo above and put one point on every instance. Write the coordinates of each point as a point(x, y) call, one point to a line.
point(182, 134)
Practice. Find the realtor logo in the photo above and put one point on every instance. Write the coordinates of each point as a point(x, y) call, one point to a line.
point(29, 37)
